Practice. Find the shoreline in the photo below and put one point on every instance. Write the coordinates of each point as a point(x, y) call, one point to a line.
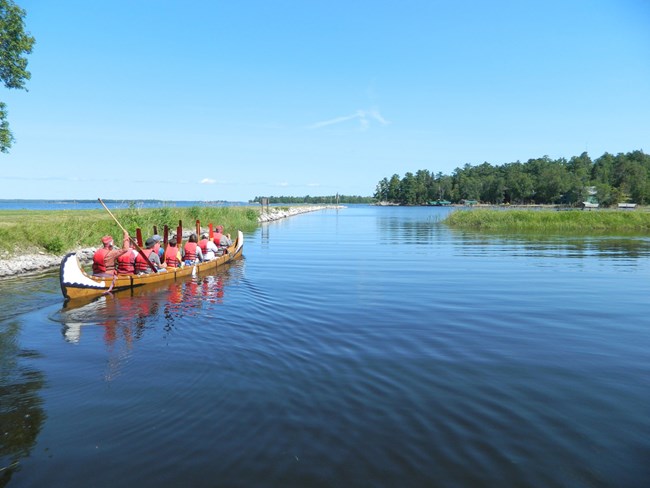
point(30, 264)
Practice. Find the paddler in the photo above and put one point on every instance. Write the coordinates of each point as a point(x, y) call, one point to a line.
point(105, 257)
point(208, 247)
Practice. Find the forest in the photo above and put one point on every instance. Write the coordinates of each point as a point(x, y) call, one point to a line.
point(608, 180)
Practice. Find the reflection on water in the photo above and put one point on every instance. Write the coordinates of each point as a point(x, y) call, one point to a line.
point(423, 228)
point(125, 315)
point(21, 406)
point(618, 247)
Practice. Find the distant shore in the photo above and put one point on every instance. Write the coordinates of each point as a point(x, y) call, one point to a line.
point(11, 265)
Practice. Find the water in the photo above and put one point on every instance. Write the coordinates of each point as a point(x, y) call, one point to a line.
point(368, 346)
point(95, 205)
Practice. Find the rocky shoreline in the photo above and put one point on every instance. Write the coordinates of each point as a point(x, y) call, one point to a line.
point(35, 263)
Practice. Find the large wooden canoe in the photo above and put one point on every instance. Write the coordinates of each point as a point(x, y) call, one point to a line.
point(76, 283)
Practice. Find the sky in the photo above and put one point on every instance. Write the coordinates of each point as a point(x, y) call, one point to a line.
point(229, 100)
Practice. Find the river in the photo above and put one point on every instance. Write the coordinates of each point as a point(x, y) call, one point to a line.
point(367, 346)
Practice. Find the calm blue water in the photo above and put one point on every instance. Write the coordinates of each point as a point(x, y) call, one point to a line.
point(363, 347)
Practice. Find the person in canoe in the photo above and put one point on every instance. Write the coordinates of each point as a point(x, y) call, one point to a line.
point(141, 265)
point(173, 257)
point(158, 249)
point(126, 262)
point(105, 257)
point(221, 239)
point(193, 252)
point(208, 247)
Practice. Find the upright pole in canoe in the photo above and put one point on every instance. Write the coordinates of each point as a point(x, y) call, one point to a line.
point(135, 244)
point(179, 236)
point(165, 241)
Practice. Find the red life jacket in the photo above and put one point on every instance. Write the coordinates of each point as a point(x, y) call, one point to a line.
point(217, 238)
point(99, 266)
point(190, 251)
point(203, 244)
point(170, 257)
point(126, 263)
point(140, 263)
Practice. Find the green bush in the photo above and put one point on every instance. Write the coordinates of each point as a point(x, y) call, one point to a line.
point(53, 245)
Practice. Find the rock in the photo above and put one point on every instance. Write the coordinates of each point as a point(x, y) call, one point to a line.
point(36, 263)
point(275, 213)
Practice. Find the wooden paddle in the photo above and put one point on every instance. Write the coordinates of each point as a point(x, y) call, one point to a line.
point(138, 237)
point(135, 244)
point(198, 229)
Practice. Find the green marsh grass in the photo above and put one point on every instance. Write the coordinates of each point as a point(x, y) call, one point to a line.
point(551, 220)
point(59, 231)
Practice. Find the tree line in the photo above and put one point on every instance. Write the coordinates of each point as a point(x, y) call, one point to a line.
point(624, 177)
point(328, 199)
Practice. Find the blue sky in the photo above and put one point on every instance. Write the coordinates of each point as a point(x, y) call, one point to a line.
point(216, 100)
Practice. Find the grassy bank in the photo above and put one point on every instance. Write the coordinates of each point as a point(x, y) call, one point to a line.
point(57, 231)
point(550, 220)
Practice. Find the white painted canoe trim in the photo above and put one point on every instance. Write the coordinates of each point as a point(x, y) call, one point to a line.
point(73, 275)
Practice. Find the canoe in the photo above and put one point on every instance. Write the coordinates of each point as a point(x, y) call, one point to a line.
point(76, 283)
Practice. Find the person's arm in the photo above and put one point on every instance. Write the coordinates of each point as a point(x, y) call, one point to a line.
point(199, 254)
point(113, 254)
point(126, 241)
point(153, 257)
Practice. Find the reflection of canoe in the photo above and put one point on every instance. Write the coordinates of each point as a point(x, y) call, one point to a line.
point(76, 283)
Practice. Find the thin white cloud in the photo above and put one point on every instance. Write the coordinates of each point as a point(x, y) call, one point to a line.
point(313, 184)
point(337, 120)
point(208, 181)
point(363, 116)
point(283, 183)
point(377, 116)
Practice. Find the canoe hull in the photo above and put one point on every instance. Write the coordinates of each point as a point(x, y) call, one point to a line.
point(76, 283)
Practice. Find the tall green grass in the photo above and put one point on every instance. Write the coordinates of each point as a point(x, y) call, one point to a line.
point(58, 231)
point(546, 220)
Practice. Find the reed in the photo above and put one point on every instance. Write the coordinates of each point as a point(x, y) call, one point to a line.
point(550, 220)
point(59, 231)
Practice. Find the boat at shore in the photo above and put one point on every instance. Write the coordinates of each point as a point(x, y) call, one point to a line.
point(76, 283)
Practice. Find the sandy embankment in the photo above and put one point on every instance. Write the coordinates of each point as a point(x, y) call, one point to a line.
point(35, 263)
